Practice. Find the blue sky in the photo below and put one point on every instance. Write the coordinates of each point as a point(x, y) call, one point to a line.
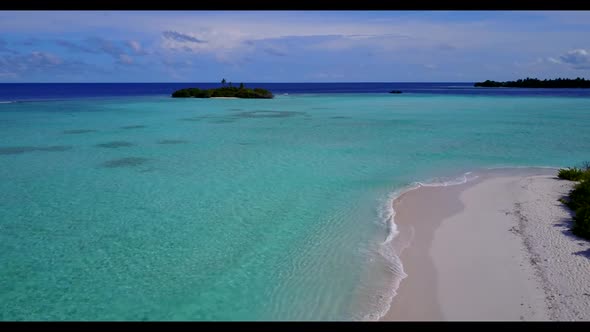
point(292, 46)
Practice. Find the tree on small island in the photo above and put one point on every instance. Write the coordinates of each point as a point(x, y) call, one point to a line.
point(224, 91)
point(537, 83)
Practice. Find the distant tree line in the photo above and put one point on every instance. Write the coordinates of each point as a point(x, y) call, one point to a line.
point(537, 83)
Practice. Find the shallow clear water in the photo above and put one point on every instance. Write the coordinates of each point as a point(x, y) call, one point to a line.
point(152, 208)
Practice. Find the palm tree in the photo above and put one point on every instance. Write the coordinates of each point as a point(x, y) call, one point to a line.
point(223, 82)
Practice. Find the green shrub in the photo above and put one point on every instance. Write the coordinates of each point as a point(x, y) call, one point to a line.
point(579, 198)
point(582, 222)
point(184, 93)
point(263, 93)
point(572, 174)
point(225, 91)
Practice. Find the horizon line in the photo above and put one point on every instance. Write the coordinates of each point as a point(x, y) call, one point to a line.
point(237, 83)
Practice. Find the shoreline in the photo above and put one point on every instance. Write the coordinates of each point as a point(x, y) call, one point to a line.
point(476, 250)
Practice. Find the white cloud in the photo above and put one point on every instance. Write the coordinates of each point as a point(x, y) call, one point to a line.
point(181, 37)
point(125, 59)
point(577, 58)
point(300, 38)
point(227, 30)
point(36, 62)
point(44, 59)
point(136, 47)
point(8, 75)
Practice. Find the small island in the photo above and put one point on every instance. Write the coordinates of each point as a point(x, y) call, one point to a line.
point(224, 91)
point(395, 91)
point(537, 83)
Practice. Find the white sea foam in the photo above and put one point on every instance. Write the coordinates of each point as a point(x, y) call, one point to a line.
point(384, 298)
point(508, 167)
point(387, 212)
point(390, 251)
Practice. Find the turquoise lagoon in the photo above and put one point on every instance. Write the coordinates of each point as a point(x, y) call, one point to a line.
point(152, 208)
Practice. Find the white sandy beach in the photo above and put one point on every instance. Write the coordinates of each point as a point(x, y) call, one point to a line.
point(496, 248)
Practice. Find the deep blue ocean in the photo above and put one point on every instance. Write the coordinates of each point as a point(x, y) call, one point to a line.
point(40, 91)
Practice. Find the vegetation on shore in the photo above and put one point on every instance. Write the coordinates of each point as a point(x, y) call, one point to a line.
point(537, 83)
point(223, 91)
point(579, 198)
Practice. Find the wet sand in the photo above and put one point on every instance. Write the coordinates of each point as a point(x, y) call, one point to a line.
point(478, 249)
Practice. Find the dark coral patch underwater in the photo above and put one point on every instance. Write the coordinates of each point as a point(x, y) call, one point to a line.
point(115, 144)
point(125, 162)
point(133, 127)
point(79, 131)
point(24, 149)
point(172, 141)
point(268, 114)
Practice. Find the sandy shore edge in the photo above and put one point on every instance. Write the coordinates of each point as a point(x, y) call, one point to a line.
point(495, 248)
